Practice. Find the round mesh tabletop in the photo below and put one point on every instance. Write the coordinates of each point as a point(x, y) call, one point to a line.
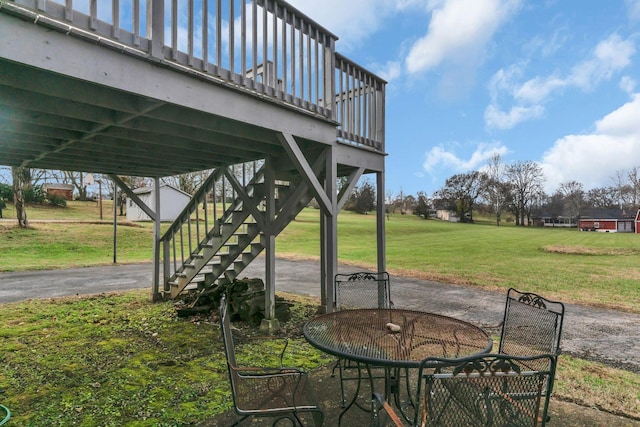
point(394, 337)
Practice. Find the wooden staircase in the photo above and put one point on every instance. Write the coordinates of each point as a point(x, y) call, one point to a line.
point(222, 229)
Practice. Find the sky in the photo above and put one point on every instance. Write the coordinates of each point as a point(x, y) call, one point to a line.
point(551, 81)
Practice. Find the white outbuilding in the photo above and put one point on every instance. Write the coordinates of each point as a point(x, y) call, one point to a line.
point(172, 202)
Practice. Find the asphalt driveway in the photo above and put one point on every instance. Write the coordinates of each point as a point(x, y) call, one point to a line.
point(591, 333)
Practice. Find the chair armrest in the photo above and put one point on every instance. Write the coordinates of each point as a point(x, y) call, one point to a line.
point(377, 397)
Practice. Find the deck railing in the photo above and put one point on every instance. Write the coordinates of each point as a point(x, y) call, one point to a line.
point(265, 46)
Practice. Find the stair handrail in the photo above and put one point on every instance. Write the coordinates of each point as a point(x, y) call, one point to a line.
point(185, 219)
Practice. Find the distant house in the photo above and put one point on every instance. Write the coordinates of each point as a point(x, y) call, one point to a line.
point(172, 202)
point(446, 215)
point(609, 221)
point(547, 220)
point(59, 190)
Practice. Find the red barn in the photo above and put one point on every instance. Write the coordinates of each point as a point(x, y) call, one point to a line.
point(608, 221)
point(61, 190)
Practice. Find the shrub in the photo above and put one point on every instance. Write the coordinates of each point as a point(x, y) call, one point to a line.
point(6, 191)
point(34, 195)
point(56, 200)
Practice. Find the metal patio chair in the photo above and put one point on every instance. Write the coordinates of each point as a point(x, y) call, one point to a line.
point(532, 325)
point(362, 290)
point(280, 392)
point(359, 290)
point(483, 390)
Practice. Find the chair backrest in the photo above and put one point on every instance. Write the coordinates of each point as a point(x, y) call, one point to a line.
point(532, 325)
point(229, 345)
point(487, 390)
point(362, 290)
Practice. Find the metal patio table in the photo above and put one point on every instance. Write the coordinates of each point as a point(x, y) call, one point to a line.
point(393, 339)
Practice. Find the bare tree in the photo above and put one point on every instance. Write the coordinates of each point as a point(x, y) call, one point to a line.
point(623, 191)
point(495, 189)
point(573, 192)
point(388, 199)
point(634, 185)
point(602, 197)
point(527, 180)
point(191, 181)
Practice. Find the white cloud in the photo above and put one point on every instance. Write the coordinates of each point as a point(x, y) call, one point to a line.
point(389, 71)
point(497, 119)
point(608, 57)
point(628, 84)
point(538, 89)
point(352, 21)
point(634, 9)
point(458, 31)
point(439, 158)
point(593, 158)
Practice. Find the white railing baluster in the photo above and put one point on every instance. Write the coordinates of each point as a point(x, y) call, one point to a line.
point(316, 77)
point(301, 59)
point(254, 42)
point(219, 37)
point(115, 12)
point(293, 57)
point(205, 36)
point(93, 14)
point(174, 29)
point(273, 79)
point(136, 22)
point(68, 10)
point(155, 14)
point(265, 53)
point(232, 52)
point(285, 82)
point(309, 68)
point(190, 18)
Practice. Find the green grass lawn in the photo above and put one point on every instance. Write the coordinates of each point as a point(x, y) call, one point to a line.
point(599, 269)
point(119, 359)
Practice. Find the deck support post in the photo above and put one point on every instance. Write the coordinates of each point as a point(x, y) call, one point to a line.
point(380, 220)
point(270, 323)
point(155, 281)
point(329, 234)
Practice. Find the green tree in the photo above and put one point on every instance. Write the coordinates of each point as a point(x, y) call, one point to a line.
point(363, 198)
point(461, 192)
point(422, 205)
